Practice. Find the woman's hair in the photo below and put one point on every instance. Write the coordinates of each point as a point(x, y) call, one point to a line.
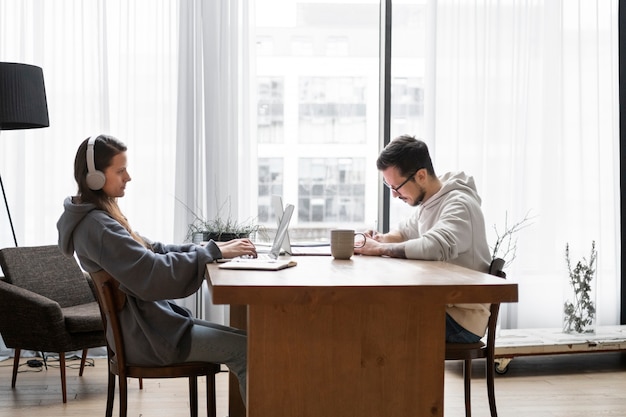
point(104, 149)
point(407, 154)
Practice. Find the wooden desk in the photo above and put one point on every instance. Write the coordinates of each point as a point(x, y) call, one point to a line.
point(357, 338)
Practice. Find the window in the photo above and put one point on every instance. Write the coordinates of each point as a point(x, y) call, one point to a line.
point(332, 110)
point(270, 110)
point(317, 69)
point(331, 190)
point(270, 183)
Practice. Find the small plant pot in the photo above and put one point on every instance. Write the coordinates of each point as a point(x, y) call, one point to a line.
point(218, 237)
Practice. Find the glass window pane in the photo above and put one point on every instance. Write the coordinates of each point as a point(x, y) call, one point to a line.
point(317, 83)
point(270, 113)
point(271, 181)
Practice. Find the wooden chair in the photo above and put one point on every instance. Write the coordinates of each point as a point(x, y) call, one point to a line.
point(111, 301)
point(47, 305)
point(469, 351)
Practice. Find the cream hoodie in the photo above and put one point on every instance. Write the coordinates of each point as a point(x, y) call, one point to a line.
point(450, 227)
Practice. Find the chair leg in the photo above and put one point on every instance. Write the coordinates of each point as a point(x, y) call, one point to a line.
point(193, 396)
point(83, 359)
point(210, 396)
point(467, 383)
point(123, 395)
point(16, 364)
point(62, 368)
point(110, 394)
point(491, 394)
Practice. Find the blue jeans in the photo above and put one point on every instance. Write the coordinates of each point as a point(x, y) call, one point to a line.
point(455, 333)
point(215, 343)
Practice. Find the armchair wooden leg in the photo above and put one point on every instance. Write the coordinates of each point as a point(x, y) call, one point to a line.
point(62, 368)
point(467, 383)
point(82, 362)
point(16, 364)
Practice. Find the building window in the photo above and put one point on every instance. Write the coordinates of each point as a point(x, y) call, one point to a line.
point(407, 105)
point(271, 172)
point(332, 109)
point(331, 190)
point(270, 110)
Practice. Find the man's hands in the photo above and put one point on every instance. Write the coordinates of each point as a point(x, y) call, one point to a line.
point(371, 245)
point(379, 244)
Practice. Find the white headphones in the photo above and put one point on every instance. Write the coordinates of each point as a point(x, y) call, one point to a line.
point(95, 178)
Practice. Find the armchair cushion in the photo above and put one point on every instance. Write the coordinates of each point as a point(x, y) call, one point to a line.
point(83, 318)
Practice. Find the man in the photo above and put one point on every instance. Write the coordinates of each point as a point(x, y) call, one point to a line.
point(448, 225)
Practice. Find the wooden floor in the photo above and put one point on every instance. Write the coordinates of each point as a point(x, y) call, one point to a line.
point(580, 385)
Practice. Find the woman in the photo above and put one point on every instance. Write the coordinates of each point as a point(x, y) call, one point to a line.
point(150, 273)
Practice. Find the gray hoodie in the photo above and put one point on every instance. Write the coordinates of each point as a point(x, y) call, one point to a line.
point(155, 329)
point(450, 227)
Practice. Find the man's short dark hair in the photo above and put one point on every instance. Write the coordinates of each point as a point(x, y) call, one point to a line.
point(407, 154)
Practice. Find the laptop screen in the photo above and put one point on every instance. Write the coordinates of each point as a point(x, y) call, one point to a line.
point(281, 232)
point(277, 207)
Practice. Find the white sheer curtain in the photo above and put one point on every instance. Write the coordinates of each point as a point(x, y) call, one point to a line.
point(109, 66)
point(213, 152)
point(524, 97)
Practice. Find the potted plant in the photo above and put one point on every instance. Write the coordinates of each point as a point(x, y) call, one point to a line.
point(579, 307)
point(221, 228)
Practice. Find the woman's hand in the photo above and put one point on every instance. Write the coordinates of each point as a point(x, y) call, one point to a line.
point(237, 247)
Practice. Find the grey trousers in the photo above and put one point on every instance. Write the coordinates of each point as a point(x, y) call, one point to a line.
point(215, 343)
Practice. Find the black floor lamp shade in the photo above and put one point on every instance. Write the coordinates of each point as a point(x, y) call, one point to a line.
point(22, 97)
point(22, 105)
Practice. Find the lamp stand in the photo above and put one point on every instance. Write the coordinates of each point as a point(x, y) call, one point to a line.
point(8, 212)
point(6, 204)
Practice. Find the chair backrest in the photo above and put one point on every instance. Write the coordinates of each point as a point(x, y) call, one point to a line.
point(111, 301)
point(496, 267)
point(46, 271)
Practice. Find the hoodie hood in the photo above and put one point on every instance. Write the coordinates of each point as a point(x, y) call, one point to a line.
point(449, 226)
point(71, 217)
point(454, 181)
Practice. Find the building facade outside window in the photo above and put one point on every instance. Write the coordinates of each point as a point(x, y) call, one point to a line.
point(318, 104)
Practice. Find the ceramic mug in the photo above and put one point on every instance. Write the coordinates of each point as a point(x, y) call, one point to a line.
point(342, 243)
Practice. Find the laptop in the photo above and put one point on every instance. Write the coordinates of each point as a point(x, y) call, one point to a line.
point(312, 249)
point(275, 250)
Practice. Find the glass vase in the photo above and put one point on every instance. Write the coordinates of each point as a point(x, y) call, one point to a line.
point(579, 307)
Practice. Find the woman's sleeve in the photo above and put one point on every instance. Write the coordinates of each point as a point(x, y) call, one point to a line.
point(149, 275)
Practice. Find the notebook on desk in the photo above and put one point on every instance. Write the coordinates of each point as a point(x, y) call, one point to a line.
point(297, 249)
point(270, 260)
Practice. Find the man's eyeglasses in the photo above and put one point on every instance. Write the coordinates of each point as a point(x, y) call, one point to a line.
point(397, 189)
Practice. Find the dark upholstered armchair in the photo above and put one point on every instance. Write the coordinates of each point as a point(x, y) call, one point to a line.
point(47, 304)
